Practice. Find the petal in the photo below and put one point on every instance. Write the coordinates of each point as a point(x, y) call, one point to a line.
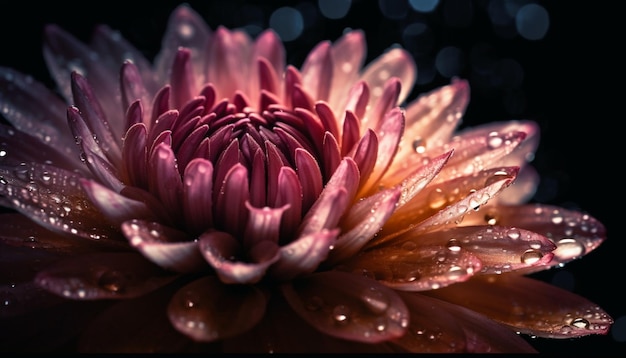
point(226, 62)
point(529, 306)
point(32, 108)
point(231, 200)
point(182, 78)
point(198, 194)
point(187, 29)
point(136, 325)
point(207, 310)
point(362, 222)
point(115, 207)
point(102, 276)
point(574, 233)
point(348, 306)
point(221, 250)
point(304, 255)
point(165, 246)
point(164, 178)
point(53, 198)
point(394, 63)
point(389, 135)
point(348, 54)
point(317, 71)
point(414, 266)
point(309, 176)
point(433, 117)
point(438, 326)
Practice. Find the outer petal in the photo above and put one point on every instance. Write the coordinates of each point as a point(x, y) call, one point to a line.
point(438, 326)
point(574, 233)
point(348, 306)
point(207, 310)
point(529, 306)
point(167, 247)
point(103, 276)
point(304, 255)
point(393, 63)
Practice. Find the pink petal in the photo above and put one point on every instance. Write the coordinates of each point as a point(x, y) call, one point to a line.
point(230, 209)
point(433, 117)
point(362, 222)
point(317, 71)
point(136, 325)
point(574, 233)
point(221, 250)
point(529, 306)
point(207, 310)
point(389, 135)
point(438, 326)
point(133, 90)
point(325, 113)
point(164, 178)
point(226, 62)
point(115, 207)
point(53, 198)
point(348, 306)
point(350, 133)
point(387, 101)
point(269, 47)
point(165, 246)
point(182, 78)
point(289, 202)
point(358, 99)
point(102, 276)
point(304, 254)
point(34, 109)
point(309, 176)
point(348, 54)
point(198, 195)
point(330, 154)
point(135, 156)
point(393, 63)
point(365, 154)
point(187, 29)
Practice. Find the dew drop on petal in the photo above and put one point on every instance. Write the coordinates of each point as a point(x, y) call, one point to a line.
point(531, 256)
point(112, 281)
point(580, 323)
point(375, 300)
point(568, 248)
point(454, 245)
point(513, 234)
point(494, 140)
point(341, 314)
point(419, 145)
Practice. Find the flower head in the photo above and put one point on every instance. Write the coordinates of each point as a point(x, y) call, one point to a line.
point(221, 199)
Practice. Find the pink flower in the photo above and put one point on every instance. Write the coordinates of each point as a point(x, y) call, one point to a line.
point(222, 200)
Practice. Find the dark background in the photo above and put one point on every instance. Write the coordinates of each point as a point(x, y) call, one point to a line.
point(571, 85)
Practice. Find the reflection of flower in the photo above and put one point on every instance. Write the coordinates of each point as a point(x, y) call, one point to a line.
point(224, 201)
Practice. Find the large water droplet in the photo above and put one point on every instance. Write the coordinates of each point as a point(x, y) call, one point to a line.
point(494, 140)
point(580, 323)
point(531, 256)
point(454, 245)
point(569, 248)
point(419, 145)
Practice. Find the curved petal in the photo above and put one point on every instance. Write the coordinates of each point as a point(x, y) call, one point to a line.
point(222, 251)
point(574, 233)
point(165, 246)
point(207, 310)
point(396, 62)
point(348, 306)
point(438, 326)
point(304, 254)
point(348, 55)
point(317, 71)
point(102, 276)
point(529, 306)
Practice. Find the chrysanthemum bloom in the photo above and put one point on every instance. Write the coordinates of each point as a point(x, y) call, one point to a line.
point(221, 200)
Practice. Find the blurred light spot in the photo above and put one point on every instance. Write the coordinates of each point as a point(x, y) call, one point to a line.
point(618, 330)
point(498, 13)
point(532, 22)
point(418, 39)
point(458, 13)
point(287, 22)
point(424, 5)
point(449, 61)
point(253, 17)
point(334, 9)
point(393, 9)
point(564, 279)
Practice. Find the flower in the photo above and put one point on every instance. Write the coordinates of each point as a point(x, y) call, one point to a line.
point(221, 200)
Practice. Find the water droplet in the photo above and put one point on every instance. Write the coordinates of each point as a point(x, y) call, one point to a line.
point(494, 140)
point(569, 248)
point(580, 323)
point(376, 300)
point(3, 181)
point(456, 272)
point(454, 245)
point(513, 234)
point(419, 145)
point(437, 199)
point(531, 256)
point(491, 218)
point(341, 314)
point(112, 281)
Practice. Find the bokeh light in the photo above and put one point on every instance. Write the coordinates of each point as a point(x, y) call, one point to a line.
point(287, 22)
